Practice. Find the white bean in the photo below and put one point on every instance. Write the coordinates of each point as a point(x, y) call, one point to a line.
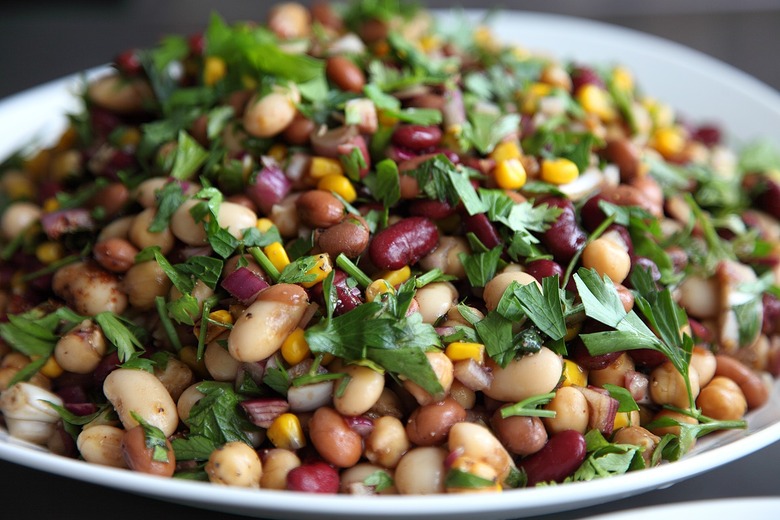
point(102, 444)
point(220, 364)
point(353, 479)
point(361, 392)
point(387, 442)
point(421, 471)
point(435, 299)
point(141, 237)
point(18, 217)
point(187, 400)
point(88, 289)
point(144, 282)
point(477, 442)
point(119, 94)
point(235, 464)
point(525, 376)
point(495, 288)
point(140, 392)
point(184, 227)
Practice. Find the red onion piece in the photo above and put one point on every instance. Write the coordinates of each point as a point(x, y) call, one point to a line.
point(269, 188)
point(254, 370)
point(262, 411)
point(307, 398)
point(602, 409)
point(326, 142)
point(297, 166)
point(244, 285)
point(473, 375)
point(360, 424)
point(638, 384)
point(358, 142)
point(81, 409)
point(453, 113)
point(58, 223)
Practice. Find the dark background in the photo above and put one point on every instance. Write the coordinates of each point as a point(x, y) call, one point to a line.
point(43, 40)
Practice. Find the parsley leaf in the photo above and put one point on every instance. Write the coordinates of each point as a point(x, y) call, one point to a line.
point(122, 333)
point(169, 198)
point(481, 267)
point(190, 155)
point(440, 179)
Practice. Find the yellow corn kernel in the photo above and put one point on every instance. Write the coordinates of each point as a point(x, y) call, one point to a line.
point(49, 252)
point(460, 351)
point(506, 150)
point(559, 171)
point(320, 270)
point(286, 432)
point(277, 255)
point(214, 69)
point(668, 141)
point(51, 204)
point(623, 79)
point(574, 374)
point(430, 43)
point(249, 82)
point(339, 185)
point(278, 152)
point(386, 119)
point(322, 166)
point(51, 368)
point(295, 348)
point(130, 137)
point(397, 277)
point(572, 331)
point(510, 174)
point(532, 96)
point(264, 224)
point(18, 186)
point(377, 288)
point(221, 316)
point(661, 114)
point(595, 100)
point(623, 419)
point(484, 38)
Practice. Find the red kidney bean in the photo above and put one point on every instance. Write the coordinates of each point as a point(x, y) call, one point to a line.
point(767, 200)
point(564, 237)
point(646, 357)
point(313, 477)
point(108, 364)
point(591, 214)
point(483, 229)
point(559, 458)
point(708, 135)
point(579, 353)
point(196, 44)
point(129, 63)
point(103, 121)
point(771, 323)
point(347, 298)
point(403, 243)
point(417, 137)
point(433, 209)
point(544, 268)
point(582, 76)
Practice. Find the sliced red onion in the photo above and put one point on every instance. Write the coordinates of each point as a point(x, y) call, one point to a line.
point(307, 398)
point(297, 166)
point(360, 424)
point(326, 142)
point(270, 187)
point(81, 409)
point(452, 456)
point(254, 370)
point(453, 113)
point(358, 142)
point(244, 284)
point(602, 409)
point(58, 223)
point(262, 411)
point(473, 375)
point(638, 385)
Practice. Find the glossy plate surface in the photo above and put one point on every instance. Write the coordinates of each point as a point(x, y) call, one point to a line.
point(698, 86)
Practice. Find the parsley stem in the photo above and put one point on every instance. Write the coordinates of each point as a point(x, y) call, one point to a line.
point(159, 303)
point(528, 407)
point(70, 259)
point(265, 263)
point(353, 270)
point(430, 276)
point(204, 327)
point(593, 236)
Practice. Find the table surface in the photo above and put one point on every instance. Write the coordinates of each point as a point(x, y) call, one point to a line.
point(43, 40)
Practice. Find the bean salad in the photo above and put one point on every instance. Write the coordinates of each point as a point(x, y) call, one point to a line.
point(348, 249)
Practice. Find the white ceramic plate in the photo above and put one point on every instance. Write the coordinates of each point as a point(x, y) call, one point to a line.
point(758, 508)
point(698, 86)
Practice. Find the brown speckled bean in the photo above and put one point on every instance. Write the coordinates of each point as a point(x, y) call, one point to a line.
point(319, 209)
point(345, 74)
point(429, 425)
point(403, 243)
point(333, 439)
point(115, 254)
point(756, 392)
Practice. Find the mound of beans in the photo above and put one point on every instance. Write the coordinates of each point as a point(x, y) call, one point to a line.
point(309, 272)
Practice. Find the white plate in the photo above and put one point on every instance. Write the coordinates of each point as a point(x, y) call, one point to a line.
point(698, 86)
point(755, 508)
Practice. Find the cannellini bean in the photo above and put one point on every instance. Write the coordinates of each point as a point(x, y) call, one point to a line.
point(18, 217)
point(445, 373)
point(187, 400)
point(184, 227)
point(89, 289)
point(421, 471)
point(118, 228)
point(27, 415)
point(140, 392)
point(361, 392)
point(495, 288)
point(273, 316)
point(445, 256)
point(81, 349)
point(175, 376)
point(477, 442)
point(235, 464)
point(268, 115)
point(699, 296)
point(353, 480)
point(525, 376)
point(121, 95)
point(435, 299)
point(141, 237)
point(146, 192)
point(277, 463)
point(387, 442)
point(220, 364)
point(144, 282)
point(102, 444)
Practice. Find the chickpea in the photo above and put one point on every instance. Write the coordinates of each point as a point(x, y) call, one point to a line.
point(421, 471)
point(81, 349)
point(235, 464)
point(699, 296)
point(387, 442)
point(608, 258)
point(704, 362)
point(667, 386)
point(277, 463)
point(641, 437)
point(571, 411)
point(361, 392)
point(430, 424)
point(614, 373)
point(722, 399)
point(626, 297)
point(674, 416)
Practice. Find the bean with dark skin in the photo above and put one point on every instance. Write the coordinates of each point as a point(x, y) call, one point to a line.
point(345, 74)
point(521, 435)
point(139, 457)
point(313, 477)
point(429, 425)
point(319, 209)
point(299, 131)
point(751, 384)
point(112, 198)
point(403, 243)
point(333, 438)
point(347, 298)
point(543, 268)
point(564, 237)
point(433, 209)
point(417, 137)
point(562, 454)
point(626, 155)
point(483, 229)
point(350, 237)
point(115, 254)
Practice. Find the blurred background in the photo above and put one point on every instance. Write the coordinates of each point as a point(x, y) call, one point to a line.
point(41, 40)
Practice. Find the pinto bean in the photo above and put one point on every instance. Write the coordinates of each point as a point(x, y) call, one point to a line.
point(562, 454)
point(333, 439)
point(756, 392)
point(403, 243)
point(626, 155)
point(115, 254)
point(429, 425)
point(521, 435)
point(350, 237)
point(345, 74)
point(299, 131)
point(319, 209)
